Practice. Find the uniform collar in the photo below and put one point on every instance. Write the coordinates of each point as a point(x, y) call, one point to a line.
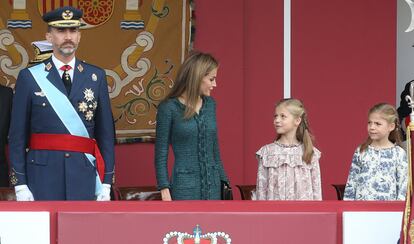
point(59, 63)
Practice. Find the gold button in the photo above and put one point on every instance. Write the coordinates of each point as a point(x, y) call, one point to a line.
point(67, 155)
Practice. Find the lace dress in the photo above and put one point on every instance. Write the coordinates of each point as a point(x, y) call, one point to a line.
point(283, 175)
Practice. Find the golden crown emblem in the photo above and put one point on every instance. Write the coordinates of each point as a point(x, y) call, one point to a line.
point(67, 14)
point(197, 237)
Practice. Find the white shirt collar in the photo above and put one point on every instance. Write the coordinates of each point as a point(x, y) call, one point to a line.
point(59, 63)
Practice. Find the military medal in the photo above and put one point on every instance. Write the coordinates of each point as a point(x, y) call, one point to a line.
point(67, 76)
point(88, 105)
point(88, 95)
point(83, 107)
point(89, 115)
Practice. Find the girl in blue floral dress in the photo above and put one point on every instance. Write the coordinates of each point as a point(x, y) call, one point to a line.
point(379, 169)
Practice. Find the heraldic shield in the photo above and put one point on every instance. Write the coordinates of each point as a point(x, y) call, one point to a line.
point(175, 237)
point(95, 13)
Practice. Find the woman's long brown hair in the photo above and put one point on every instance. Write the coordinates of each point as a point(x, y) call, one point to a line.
point(189, 77)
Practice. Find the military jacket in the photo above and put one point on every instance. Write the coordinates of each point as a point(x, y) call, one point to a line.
point(60, 175)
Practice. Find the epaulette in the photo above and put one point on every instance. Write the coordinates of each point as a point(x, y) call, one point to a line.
point(89, 64)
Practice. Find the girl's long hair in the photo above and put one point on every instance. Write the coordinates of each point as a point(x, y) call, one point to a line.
point(389, 114)
point(303, 134)
point(189, 78)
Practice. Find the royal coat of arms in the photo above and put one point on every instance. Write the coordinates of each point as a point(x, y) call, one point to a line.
point(95, 12)
point(197, 237)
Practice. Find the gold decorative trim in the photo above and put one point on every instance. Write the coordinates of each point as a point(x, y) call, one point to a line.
point(65, 23)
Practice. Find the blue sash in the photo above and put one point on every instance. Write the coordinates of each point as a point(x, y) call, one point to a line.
point(65, 111)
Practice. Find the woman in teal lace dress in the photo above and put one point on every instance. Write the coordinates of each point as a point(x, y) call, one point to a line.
point(186, 120)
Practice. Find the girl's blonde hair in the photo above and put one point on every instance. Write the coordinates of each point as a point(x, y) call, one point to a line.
point(389, 114)
point(189, 78)
point(296, 108)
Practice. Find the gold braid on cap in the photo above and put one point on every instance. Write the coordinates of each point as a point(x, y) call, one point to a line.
point(65, 23)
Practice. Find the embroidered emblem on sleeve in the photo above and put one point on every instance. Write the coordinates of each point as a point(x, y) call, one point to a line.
point(13, 178)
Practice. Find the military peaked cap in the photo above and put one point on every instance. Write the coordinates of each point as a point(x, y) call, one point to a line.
point(64, 17)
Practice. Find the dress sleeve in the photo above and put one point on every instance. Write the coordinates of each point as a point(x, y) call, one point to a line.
point(216, 148)
point(162, 142)
point(350, 188)
point(402, 175)
point(262, 177)
point(316, 177)
point(223, 176)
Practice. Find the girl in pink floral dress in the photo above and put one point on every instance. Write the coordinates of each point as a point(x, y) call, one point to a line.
point(289, 167)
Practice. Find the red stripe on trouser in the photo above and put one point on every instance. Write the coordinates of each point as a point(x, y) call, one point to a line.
point(64, 142)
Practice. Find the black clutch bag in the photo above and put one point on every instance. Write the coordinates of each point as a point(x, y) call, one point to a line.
point(226, 191)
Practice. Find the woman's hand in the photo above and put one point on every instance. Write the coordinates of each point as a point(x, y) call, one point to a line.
point(165, 194)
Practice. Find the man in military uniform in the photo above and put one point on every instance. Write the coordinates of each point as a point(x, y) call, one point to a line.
point(61, 134)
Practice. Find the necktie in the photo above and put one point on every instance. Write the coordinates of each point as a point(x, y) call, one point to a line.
point(66, 77)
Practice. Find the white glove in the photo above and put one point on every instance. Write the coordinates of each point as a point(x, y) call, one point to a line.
point(105, 194)
point(23, 193)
